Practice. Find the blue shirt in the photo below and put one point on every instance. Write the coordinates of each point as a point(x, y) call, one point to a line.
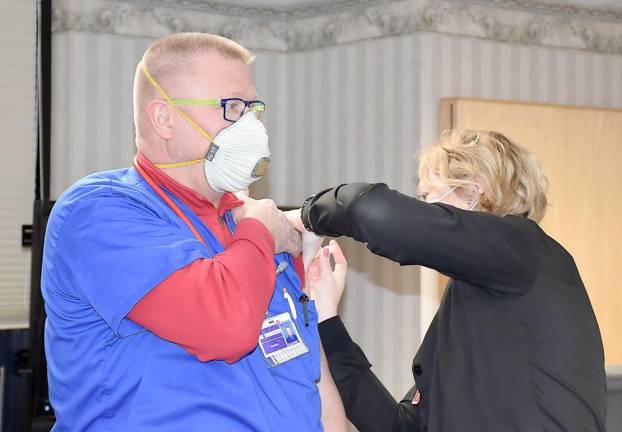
point(110, 239)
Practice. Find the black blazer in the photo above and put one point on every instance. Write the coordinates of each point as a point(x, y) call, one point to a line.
point(514, 345)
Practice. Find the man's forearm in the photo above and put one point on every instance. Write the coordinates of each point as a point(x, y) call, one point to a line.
point(214, 307)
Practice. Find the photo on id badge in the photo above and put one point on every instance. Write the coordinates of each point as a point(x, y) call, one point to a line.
point(280, 340)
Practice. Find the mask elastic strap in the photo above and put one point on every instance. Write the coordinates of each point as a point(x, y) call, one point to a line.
point(437, 200)
point(170, 101)
point(166, 199)
point(179, 164)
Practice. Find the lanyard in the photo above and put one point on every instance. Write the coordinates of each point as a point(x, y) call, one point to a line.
point(167, 199)
point(182, 215)
point(304, 299)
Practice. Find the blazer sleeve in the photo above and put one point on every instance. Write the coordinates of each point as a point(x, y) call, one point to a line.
point(368, 404)
point(480, 248)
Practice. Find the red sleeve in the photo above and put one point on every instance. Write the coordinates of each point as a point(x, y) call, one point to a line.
point(299, 266)
point(214, 308)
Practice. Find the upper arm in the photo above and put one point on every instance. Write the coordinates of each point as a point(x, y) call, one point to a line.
point(333, 413)
point(114, 249)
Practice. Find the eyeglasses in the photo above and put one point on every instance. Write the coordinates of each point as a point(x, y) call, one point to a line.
point(232, 108)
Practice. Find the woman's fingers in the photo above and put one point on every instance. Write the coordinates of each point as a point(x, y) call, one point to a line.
point(337, 253)
point(314, 271)
point(341, 264)
point(325, 261)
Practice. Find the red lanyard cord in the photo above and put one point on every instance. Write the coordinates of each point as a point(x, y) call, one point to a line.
point(166, 199)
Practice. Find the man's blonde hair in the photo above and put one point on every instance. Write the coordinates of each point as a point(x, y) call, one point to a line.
point(173, 55)
point(511, 176)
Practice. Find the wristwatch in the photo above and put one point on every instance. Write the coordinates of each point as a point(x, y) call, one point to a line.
point(304, 213)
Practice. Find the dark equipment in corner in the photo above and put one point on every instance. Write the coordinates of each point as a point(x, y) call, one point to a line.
point(31, 365)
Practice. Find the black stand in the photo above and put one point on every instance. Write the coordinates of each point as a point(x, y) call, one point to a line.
point(38, 411)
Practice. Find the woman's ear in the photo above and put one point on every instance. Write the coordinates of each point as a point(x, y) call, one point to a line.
point(480, 185)
point(478, 193)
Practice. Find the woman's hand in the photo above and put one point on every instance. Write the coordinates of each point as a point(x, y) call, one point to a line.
point(326, 284)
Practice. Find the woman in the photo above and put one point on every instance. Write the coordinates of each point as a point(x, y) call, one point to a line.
point(514, 345)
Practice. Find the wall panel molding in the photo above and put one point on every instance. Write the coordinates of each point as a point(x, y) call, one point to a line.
point(512, 21)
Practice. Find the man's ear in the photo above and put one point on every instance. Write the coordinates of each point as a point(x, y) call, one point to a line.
point(161, 118)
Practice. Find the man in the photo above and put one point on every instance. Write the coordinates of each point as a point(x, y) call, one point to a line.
point(158, 280)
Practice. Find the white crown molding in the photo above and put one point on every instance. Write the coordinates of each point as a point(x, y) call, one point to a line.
point(513, 21)
point(604, 14)
point(254, 12)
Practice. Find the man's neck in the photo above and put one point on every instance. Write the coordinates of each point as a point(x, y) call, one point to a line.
point(193, 177)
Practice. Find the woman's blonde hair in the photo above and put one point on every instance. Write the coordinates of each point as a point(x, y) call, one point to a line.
point(511, 177)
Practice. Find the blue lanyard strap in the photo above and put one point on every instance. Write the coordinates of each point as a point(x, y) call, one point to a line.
point(229, 221)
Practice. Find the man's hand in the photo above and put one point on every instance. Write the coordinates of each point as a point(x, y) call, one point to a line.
point(286, 238)
point(293, 216)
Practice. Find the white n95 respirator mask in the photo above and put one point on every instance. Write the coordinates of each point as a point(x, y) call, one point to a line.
point(238, 156)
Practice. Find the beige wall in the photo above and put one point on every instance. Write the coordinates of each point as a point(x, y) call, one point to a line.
point(352, 112)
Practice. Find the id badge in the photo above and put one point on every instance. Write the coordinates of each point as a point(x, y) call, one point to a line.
point(280, 340)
